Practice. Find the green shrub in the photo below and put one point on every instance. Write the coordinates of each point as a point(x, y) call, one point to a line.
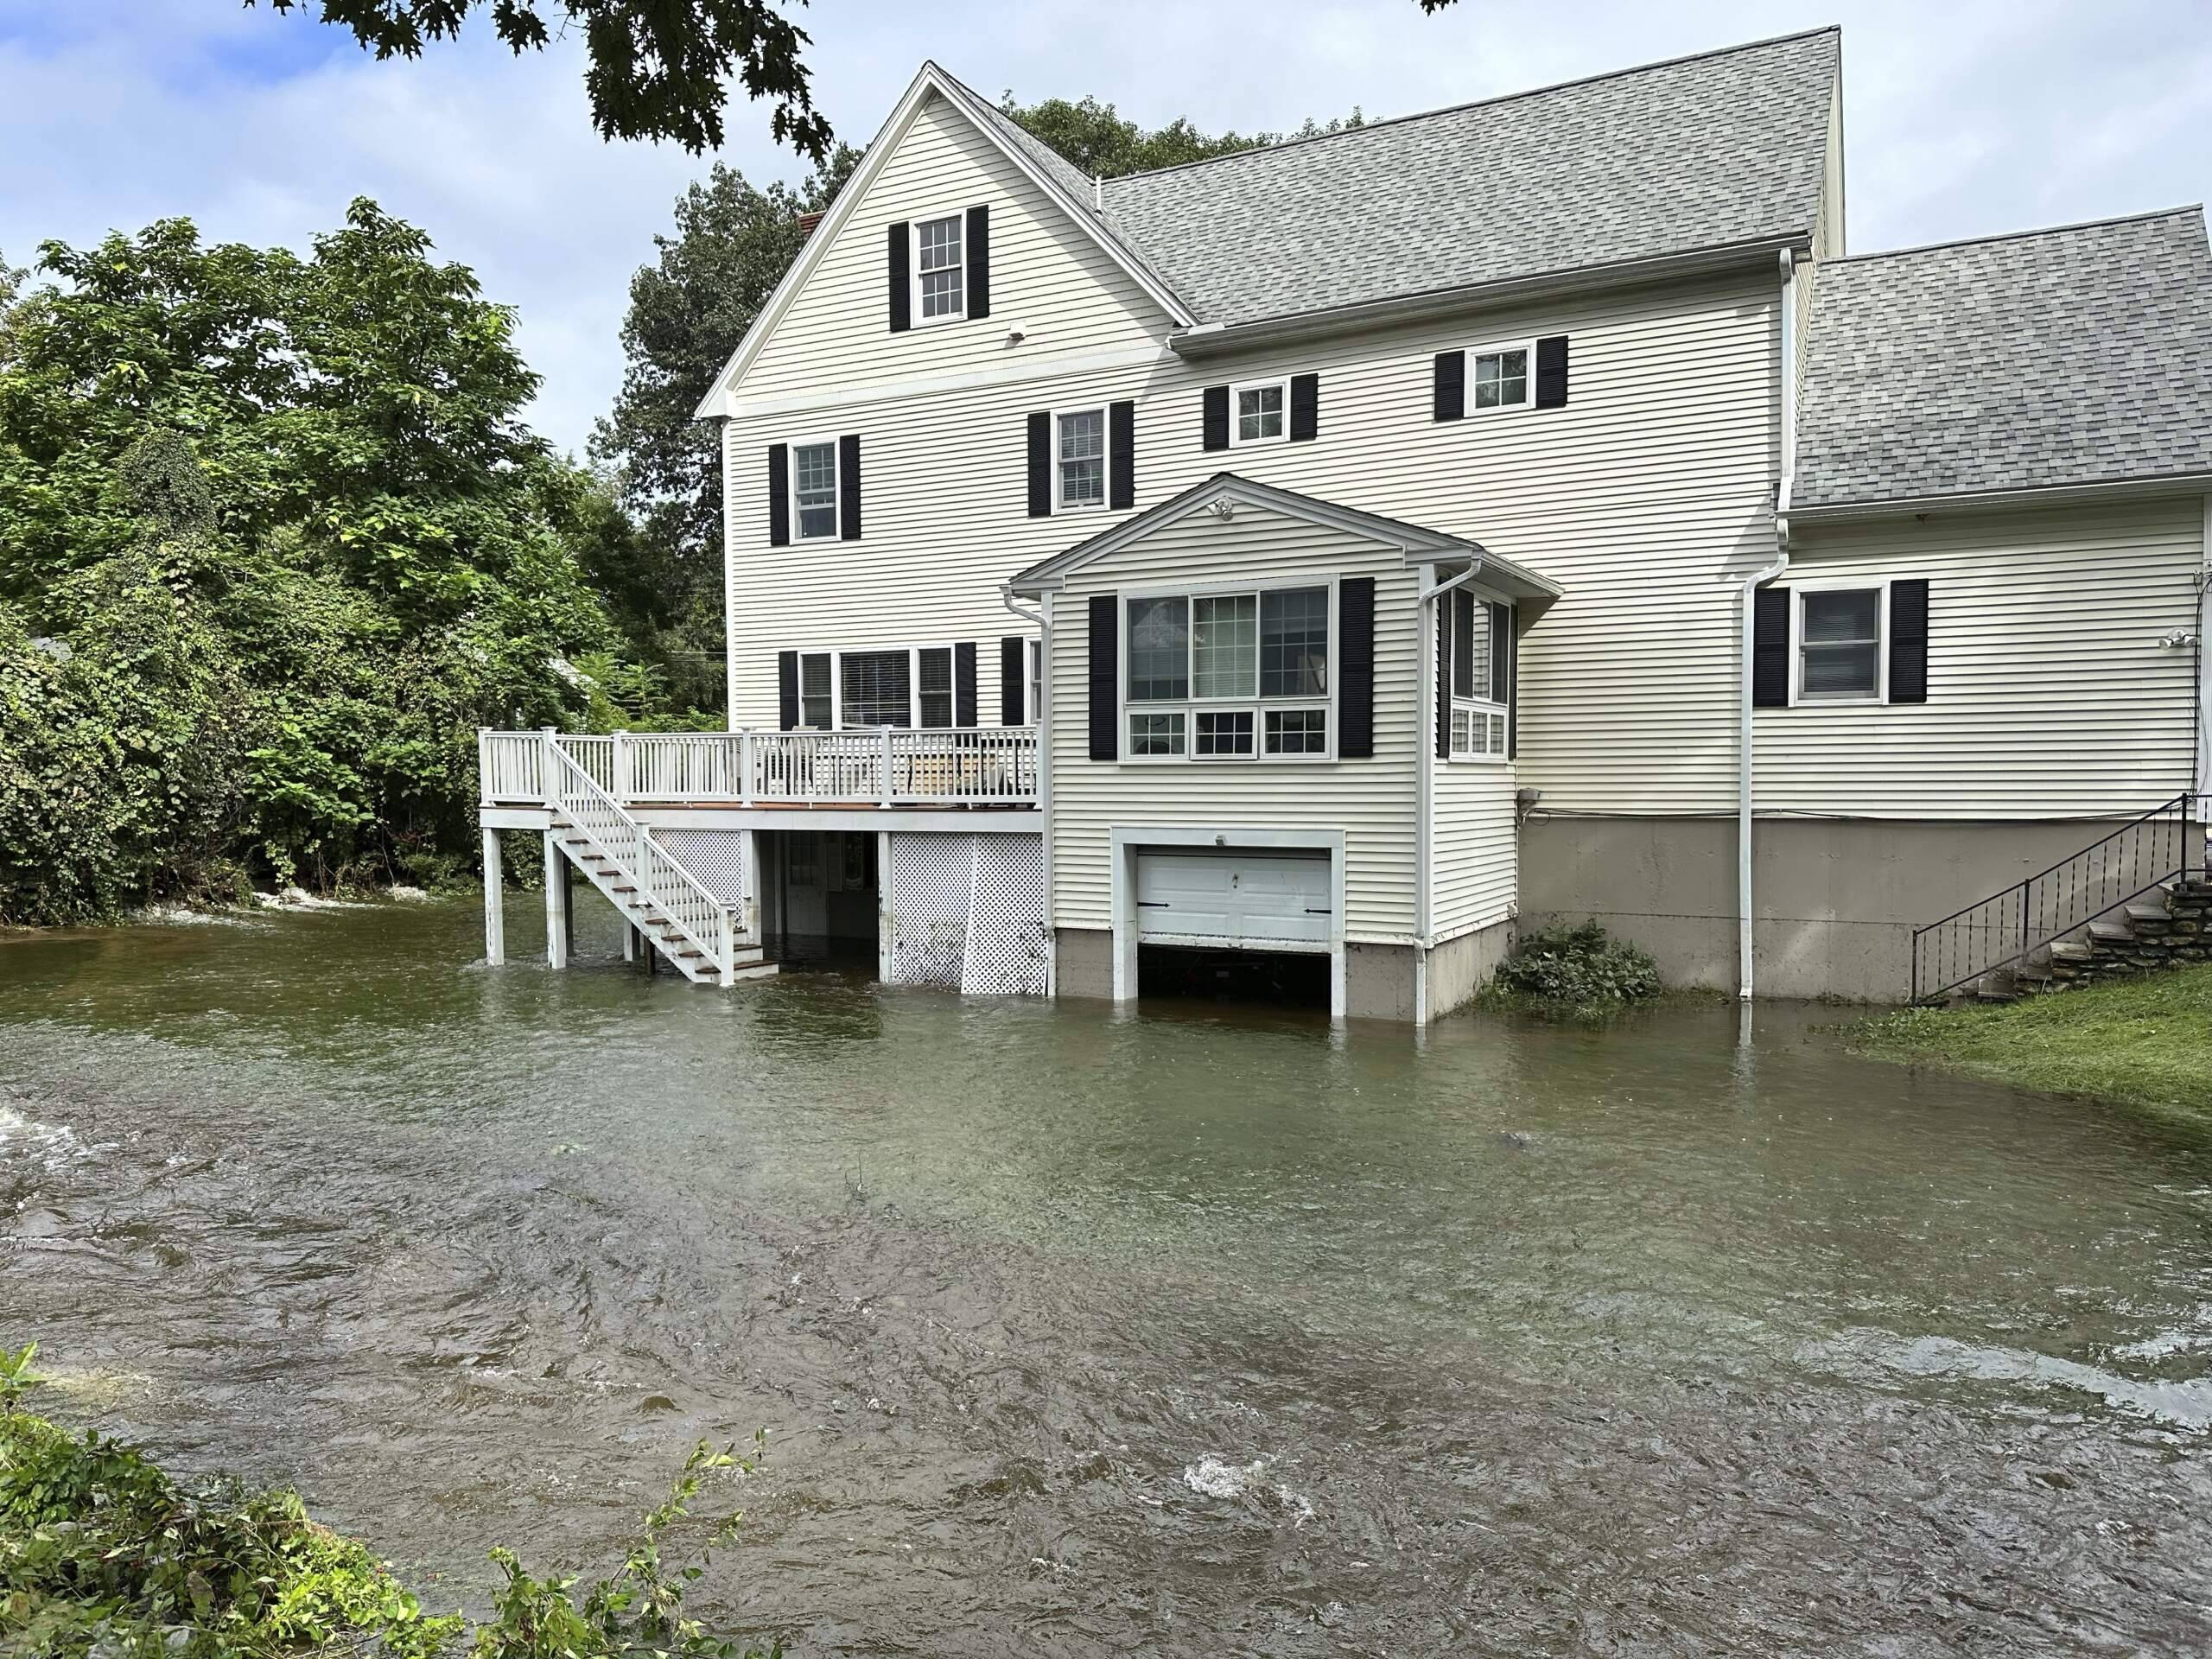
point(1578, 964)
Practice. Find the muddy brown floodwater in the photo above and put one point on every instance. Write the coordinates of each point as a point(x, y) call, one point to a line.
point(1195, 1331)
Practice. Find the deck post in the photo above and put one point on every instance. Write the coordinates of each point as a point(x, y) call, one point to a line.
point(556, 901)
point(886, 766)
point(745, 774)
point(495, 917)
point(619, 771)
point(629, 940)
point(749, 867)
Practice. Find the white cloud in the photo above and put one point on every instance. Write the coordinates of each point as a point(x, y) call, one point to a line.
point(1975, 117)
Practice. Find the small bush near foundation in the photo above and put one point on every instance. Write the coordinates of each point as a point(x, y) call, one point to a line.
point(1578, 964)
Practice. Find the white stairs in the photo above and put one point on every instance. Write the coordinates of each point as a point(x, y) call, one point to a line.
point(669, 907)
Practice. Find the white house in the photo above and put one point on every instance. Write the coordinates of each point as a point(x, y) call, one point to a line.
point(1359, 549)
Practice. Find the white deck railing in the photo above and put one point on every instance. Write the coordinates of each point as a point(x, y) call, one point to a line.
point(969, 766)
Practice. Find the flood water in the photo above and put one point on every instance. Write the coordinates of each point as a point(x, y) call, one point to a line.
point(1196, 1330)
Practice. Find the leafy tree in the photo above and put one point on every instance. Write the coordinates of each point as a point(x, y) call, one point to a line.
point(1099, 142)
point(274, 541)
point(659, 69)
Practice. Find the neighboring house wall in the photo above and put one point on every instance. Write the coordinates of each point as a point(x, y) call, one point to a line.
point(1371, 801)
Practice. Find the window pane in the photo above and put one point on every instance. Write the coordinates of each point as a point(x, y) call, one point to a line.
point(814, 473)
point(1842, 645)
point(1224, 646)
point(1838, 618)
point(939, 240)
point(1294, 642)
point(1460, 731)
point(874, 687)
point(1470, 647)
point(1840, 671)
point(1501, 379)
point(1222, 733)
point(1083, 459)
point(934, 667)
point(814, 691)
point(1298, 731)
point(1259, 413)
point(1155, 734)
point(1159, 649)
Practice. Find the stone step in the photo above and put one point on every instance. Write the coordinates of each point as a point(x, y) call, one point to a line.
point(2067, 952)
point(2111, 933)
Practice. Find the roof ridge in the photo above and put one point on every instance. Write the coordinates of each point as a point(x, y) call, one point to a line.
point(1476, 104)
point(2182, 210)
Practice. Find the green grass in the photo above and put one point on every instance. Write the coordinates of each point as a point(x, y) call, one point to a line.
point(2145, 1044)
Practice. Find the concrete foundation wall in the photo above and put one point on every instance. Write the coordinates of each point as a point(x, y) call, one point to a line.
point(1083, 962)
point(1835, 901)
point(1459, 968)
point(1379, 981)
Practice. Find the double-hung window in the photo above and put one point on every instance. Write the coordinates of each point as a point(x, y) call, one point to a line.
point(1482, 646)
point(1080, 464)
point(814, 490)
point(859, 690)
point(1498, 377)
point(1840, 644)
point(939, 279)
point(1229, 676)
point(1262, 411)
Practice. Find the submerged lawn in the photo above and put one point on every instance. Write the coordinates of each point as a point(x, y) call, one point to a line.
point(2144, 1043)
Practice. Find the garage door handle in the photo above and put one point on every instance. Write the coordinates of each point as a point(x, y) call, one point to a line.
point(1310, 911)
point(1152, 904)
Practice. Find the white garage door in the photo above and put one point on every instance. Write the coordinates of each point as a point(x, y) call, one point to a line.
point(1264, 901)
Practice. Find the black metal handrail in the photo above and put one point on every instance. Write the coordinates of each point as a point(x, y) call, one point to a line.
point(2002, 929)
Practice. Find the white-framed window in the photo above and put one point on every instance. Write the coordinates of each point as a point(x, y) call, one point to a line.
point(1501, 376)
point(906, 686)
point(1839, 643)
point(1482, 645)
point(940, 269)
point(1259, 412)
point(814, 490)
point(1078, 459)
point(1235, 673)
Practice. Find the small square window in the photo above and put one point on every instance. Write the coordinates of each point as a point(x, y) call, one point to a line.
point(1155, 734)
point(1501, 379)
point(1259, 412)
point(1298, 731)
point(1223, 731)
point(1839, 645)
point(814, 489)
point(938, 268)
point(1083, 459)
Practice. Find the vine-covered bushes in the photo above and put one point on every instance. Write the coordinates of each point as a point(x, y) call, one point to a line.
point(1580, 964)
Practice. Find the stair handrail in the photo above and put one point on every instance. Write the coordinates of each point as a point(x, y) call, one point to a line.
point(2035, 939)
point(722, 951)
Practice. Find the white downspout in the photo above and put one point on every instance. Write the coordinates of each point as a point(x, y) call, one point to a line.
point(1751, 584)
point(1425, 784)
point(1043, 621)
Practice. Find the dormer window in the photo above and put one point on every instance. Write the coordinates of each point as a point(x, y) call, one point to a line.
point(939, 273)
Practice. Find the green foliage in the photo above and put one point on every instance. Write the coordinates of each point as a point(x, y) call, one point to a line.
point(658, 68)
point(274, 541)
point(17, 1377)
point(1581, 965)
point(1099, 142)
point(102, 1554)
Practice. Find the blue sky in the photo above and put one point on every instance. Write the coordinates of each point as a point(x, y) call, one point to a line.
point(1960, 118)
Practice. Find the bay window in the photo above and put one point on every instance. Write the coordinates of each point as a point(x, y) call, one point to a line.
point(1480, 643)
point(1229, 676)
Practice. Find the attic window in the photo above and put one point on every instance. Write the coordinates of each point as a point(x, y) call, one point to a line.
point(938, 274)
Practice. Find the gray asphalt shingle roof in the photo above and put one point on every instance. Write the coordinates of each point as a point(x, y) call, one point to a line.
point(1702, 152)
point(2082, 355)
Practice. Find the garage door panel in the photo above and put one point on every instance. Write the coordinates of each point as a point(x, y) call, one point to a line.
point(1255, 898)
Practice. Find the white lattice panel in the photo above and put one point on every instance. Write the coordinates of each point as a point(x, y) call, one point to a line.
point(715, 857)
point(1006, 918)
point(928, 883)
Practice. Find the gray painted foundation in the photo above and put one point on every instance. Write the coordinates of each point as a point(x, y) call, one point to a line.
point(1083, 961)
point(1835, 901)
point(1378, 982)
point(1459, 967)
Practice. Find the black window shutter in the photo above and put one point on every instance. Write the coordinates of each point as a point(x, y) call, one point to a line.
point(1451, 385)
point(1500, 622)
point(787, 690)
point(1512, 690)
point(1771, 648)
point(1551, 372)
point(1305, 406)
point(1013, 693)
point(1105, 676)
point(1122, 455)
point(1040, 464)
point(1443, 607)
point(963, 683)
point(902, 290)
point(1213, 423)
point(979, 262)
point(1356, 668)
point(779, 495)
point(1908, 641)
point(848, 487)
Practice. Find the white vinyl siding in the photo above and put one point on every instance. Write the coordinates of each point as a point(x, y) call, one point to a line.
point(2049, 695)
point(1371, 801)
point(1045, 274)
point(1475, 849)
